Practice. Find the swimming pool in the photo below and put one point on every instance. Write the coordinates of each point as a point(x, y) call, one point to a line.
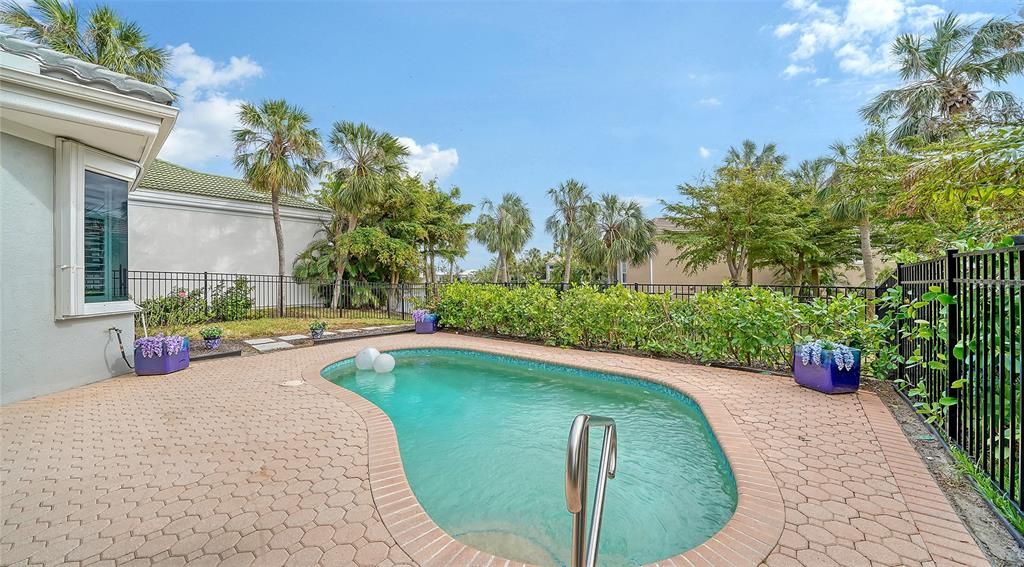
point(482, 439)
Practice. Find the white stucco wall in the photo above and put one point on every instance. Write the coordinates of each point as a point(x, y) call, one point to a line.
point(170, 232)
point(38, 354)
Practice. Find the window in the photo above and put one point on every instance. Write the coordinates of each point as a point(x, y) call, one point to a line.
point(91, 231)
point(106, 238)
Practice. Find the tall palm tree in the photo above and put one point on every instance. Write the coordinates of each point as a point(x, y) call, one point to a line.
point(277, 152)
point(105, 39)
point(945, 73)
point(857, 185)
point(747, 156)
point(567, 224)
point(370, 164)
point(620, 233)
point(504, 229)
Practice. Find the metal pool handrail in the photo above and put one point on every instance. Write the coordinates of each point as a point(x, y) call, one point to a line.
point(584, 554)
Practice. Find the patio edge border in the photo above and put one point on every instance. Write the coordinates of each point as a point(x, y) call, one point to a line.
point(747, 538)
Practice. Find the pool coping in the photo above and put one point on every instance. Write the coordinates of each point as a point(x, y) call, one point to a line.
point(747, 538)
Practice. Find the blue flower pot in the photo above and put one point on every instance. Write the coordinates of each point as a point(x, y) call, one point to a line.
point(212, 344)
point(163, 364)
point(827, 377)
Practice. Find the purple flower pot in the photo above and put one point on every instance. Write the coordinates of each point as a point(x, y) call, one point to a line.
point(426, 327)
point(212, 344)
point(827, 377)
point(163, 364)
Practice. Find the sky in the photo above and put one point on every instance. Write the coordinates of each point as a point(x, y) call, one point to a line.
point(495, 97)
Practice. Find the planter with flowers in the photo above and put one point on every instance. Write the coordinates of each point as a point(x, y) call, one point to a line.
point(160, 354)
point(316, 329)
point(211, 336)
point(426, 322)
point(827, 367)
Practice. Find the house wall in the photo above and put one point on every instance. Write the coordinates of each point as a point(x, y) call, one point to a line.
point(38, 354)
point(173, 232)
point(668, 272)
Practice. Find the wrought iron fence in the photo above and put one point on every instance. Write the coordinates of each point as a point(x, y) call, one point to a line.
point(976, 344)
point(191, 297)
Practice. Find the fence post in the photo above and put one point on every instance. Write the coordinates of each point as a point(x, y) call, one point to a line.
point(901, 365)
point(952, 336)
point(206, 292)
point(390, 294)
point(402, 291)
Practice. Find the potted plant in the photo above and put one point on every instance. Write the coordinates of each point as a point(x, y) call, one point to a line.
point(316, 329)
point(827, 366)
point(426, 322)
point(211, 336)
point(160, 354)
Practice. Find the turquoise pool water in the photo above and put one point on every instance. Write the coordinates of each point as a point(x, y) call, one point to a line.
point(483, 438)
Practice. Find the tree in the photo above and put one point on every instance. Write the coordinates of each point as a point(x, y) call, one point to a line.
point(504, 229)
point(945, 73)
point(105, 39)
point(567, 224)
point(864, 175)
point(619, 233)
point(277, 152)
point(370, 163)
point(447, 233)
point(767, 161)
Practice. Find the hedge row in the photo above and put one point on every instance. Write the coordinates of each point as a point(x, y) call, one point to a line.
point(752, 327)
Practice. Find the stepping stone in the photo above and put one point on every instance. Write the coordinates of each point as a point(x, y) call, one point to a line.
point(293, 337)
point(329, 334)
point(258, 341)
point(267, 347)
point(349, 331)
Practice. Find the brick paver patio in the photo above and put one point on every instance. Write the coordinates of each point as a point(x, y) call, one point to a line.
point(220, 464)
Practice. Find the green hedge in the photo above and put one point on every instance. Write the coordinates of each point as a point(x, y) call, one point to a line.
point(747, 326)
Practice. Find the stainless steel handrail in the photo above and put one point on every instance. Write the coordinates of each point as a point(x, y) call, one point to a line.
point(584, 553)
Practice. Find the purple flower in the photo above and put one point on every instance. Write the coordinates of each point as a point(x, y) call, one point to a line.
point(156, 346)
point(421, 315)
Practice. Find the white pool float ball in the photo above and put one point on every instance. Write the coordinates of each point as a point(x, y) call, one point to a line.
point(365, 358)
point(384, 363)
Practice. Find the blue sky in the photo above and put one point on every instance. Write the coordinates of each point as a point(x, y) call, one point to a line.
point(630, 98)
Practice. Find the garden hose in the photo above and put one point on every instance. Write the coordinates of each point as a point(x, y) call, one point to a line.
point(120, 345)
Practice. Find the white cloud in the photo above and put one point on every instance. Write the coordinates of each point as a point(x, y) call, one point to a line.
point(704, 152)
point(857, 34)
point(208, 113)
point(710, 101)
point(820, 81)
point(793, 70)
point(429, 160)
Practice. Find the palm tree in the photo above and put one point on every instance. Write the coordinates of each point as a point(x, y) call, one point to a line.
point(566, 224)
point(945, 73)
point(504, 229)
point(370, 164)
point(747, 156)
point(620, 233)
point(277, 152)
point(106, 39)
point(857, 185)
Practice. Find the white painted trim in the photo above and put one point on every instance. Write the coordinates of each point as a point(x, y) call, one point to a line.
point(8, 126)
point(183, 201)
point(108, 308)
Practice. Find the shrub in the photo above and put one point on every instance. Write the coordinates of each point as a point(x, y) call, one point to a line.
point(210, 333)
point(749, 326)
point(231, 303)
point(180, 307)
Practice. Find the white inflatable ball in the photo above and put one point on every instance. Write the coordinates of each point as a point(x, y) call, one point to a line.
point(384, 363)
point(365, 358)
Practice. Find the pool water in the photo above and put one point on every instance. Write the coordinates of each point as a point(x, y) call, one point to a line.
point(483, 441)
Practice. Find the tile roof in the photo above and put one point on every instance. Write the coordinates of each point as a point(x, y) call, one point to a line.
point(66, 67)
point(166, 176)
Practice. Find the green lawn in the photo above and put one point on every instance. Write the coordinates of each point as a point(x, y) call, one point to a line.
point(269, 327)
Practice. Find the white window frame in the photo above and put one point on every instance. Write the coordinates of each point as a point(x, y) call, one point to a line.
point(72, 160)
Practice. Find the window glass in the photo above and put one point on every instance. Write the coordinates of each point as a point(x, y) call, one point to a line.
point(106, 238)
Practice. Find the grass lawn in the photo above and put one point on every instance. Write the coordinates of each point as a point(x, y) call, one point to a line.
point(270, 327)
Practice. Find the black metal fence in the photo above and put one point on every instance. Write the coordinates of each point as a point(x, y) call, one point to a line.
point(974, 343)
point(191, 297)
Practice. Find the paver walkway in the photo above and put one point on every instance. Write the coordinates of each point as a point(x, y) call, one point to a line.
point(220, 464)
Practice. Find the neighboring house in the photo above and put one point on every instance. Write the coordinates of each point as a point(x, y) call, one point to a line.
point(181, 220)
point(74, 140)
point(661, 269)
